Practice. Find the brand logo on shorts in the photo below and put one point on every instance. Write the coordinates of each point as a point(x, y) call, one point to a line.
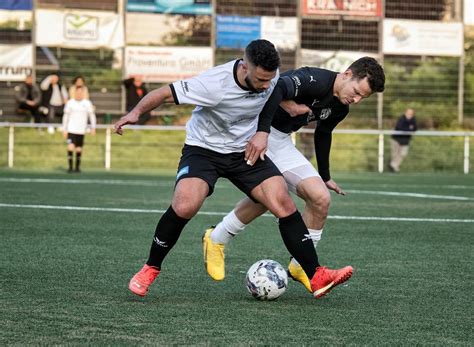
point(325, 113)
point(182, 172)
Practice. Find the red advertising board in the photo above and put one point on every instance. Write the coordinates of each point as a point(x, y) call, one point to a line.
point(368, 8)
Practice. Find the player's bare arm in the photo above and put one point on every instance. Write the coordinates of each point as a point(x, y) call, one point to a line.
point(294, 109)
point(151, 101)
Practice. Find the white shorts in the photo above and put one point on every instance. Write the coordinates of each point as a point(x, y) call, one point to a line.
point(288, 159)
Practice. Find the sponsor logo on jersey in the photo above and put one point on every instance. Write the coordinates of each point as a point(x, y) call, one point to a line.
point(325, 113)
point(297, 83)
point(184, 87)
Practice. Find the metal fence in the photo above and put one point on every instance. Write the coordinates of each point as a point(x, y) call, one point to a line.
point(457, 145)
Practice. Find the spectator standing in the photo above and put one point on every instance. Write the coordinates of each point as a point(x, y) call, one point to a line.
point(28, 96)
point(400, 144)
point(77, 113)
point(79, 81)
point(54, 97)
point(135, 91)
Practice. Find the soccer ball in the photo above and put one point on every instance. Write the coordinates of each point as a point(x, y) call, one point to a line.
point(266, 280)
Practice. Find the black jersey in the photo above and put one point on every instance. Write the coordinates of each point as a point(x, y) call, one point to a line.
point(314, 88)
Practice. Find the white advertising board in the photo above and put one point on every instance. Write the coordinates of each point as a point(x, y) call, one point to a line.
point(411, 37)
point(79, 29)
point(167, 64)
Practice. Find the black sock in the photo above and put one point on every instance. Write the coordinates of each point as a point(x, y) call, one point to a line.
point(296, 238)
point(166, 234)
point(78, 161)
point(69, 159)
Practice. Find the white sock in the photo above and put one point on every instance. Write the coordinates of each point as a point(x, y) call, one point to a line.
point(227, 228)
point(315, 236)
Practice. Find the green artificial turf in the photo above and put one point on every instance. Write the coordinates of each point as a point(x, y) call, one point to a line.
point(64, 271)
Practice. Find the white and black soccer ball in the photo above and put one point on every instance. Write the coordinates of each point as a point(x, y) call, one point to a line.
point(266, 280)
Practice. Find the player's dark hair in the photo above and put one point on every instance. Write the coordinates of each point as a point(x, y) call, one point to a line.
point(370, 68)
point(264, 54)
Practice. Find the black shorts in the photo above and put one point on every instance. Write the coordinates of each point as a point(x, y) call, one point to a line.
point(76, 139)
point(210, 165)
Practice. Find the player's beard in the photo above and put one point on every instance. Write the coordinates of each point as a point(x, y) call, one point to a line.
point(252, 87)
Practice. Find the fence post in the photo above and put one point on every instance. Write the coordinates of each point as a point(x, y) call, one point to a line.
point(466, 154)
point(108, 145)
point(11, 145)
point(381, 150)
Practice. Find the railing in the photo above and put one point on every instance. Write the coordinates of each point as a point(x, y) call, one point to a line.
point(380, 133)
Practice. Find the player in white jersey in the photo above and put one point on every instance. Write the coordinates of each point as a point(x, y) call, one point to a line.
point(225, 122)
point(77, 113)
point(313, 95)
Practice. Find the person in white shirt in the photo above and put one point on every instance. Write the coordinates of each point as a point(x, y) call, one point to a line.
point(222, 136)
point(78, 112)
point(54, 96)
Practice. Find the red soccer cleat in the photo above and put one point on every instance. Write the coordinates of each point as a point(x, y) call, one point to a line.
point(142, 280)
point(325, 279)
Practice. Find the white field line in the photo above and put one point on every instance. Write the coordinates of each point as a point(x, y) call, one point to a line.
point(214, 213)
point(166, 184)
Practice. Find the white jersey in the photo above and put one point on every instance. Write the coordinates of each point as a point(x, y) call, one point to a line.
point(76, 115)
point(226, 115)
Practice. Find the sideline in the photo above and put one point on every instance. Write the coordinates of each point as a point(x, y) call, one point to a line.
point(209, 213)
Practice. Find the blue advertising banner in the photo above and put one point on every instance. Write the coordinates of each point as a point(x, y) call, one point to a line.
point(16, 4)
point(170, 6)
point(236, 31)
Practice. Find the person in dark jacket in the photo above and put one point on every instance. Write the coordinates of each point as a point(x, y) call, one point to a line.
point(28, 97)
point(135, 91)
point(401, 143)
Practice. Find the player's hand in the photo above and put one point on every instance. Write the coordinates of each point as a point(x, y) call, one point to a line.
point(333, 186)
point(65, 135)
point(130, 118)
point(295, 109)
point(256, 147)
point(92, 131)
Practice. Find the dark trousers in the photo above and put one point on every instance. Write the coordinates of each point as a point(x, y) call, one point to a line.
point(33, 111)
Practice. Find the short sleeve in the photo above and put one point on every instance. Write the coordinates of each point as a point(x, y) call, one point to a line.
point(203, 90)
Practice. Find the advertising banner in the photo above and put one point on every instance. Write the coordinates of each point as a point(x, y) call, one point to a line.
point(17, 20)
point(79, 29)
point(171, 6)
point(281, 31)
point(16, 62)
point(159, 29)
point(167, 64)
point(411, 37)
point(337, 61)
point(236, 31)
point(368, 8)
point(16, 4)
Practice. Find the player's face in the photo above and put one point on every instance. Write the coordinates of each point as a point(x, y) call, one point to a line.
point(257, 79)
point(353, 91)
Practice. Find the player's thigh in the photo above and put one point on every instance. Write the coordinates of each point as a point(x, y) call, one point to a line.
point(189, 195)
point(273, 194)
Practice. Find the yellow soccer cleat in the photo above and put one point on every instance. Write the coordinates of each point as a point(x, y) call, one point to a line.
point(213, 256)
point(296, 272)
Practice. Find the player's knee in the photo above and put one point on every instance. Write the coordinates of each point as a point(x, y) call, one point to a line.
point(185, 209)
point(320, 202)
point(283, 206)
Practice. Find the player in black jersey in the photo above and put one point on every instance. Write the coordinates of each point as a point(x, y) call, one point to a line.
point(301, 96)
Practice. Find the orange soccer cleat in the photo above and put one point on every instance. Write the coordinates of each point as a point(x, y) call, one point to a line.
point(325, 279)
point(142, 280)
